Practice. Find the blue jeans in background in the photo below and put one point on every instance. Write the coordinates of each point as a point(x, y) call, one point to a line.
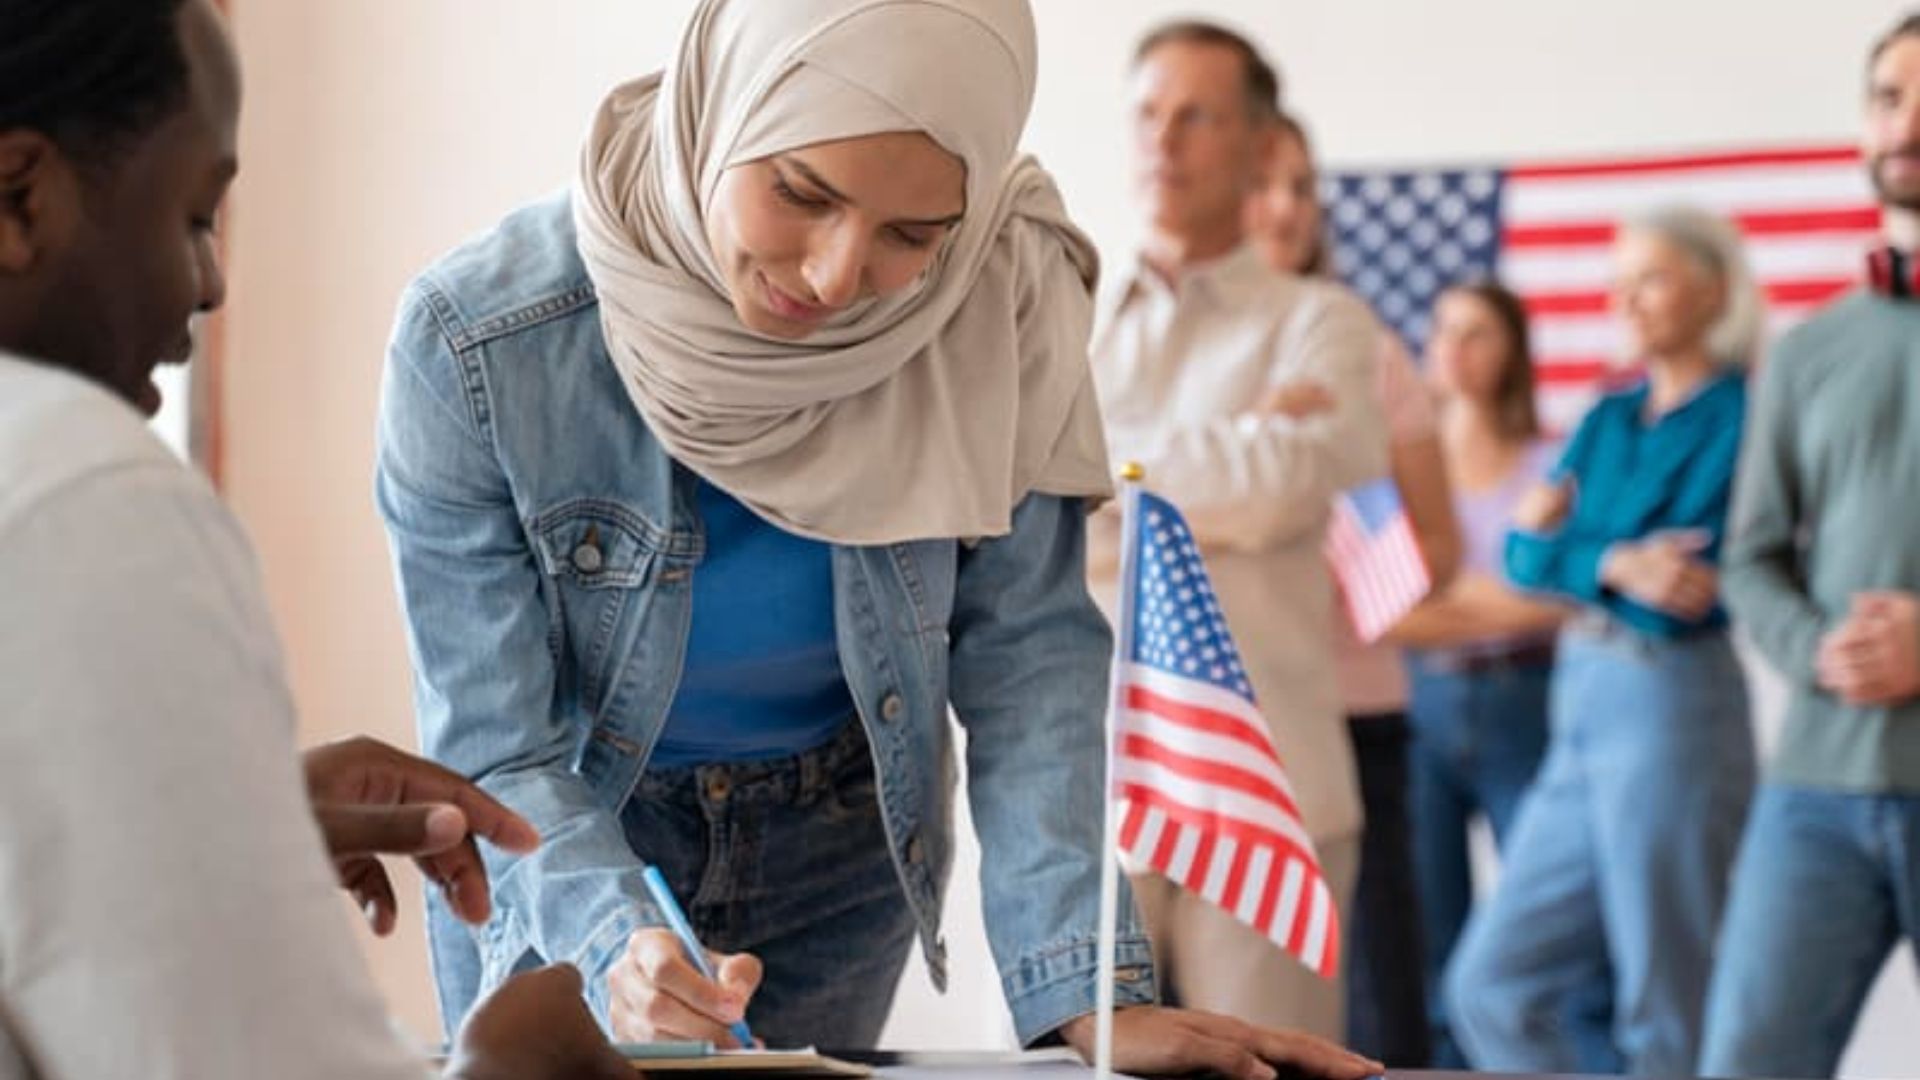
point(787, 860)
point(1478, 736)
point(1826, 885)
point(1617, 865)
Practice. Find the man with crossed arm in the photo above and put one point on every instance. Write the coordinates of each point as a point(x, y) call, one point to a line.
point(1188, 367)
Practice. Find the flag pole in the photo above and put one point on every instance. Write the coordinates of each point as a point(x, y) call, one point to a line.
point(1130, 477)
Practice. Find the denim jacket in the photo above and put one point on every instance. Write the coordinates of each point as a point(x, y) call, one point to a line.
point(545, 544)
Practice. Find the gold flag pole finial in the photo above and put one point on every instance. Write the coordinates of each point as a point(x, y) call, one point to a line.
point(1133, 472)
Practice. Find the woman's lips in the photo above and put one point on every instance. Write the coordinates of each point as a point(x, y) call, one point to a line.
point(789, 308)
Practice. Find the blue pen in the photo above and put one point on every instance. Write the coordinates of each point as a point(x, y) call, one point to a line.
point(677, 920)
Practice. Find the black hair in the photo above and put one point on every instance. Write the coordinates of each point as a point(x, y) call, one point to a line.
point(90, 74)
point(1262, 82)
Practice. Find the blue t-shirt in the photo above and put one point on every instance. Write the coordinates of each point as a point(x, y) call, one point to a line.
point(762, 677)
point(1634, 477)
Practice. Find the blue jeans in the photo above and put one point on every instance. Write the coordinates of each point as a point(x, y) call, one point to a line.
point(1826, 885)
point(787, 860)
point(1617, 865)
point(1477, 741)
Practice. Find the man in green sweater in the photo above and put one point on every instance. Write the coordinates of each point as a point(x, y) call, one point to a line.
point(1823, 570)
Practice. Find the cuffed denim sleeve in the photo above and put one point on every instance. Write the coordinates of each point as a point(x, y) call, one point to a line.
point(483, 639)
point(1029, 662)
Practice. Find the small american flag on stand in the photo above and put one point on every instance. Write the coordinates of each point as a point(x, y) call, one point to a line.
point(1202, 795)
point(1376, 558)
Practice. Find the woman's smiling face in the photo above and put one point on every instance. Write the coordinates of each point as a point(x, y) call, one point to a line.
point(802, 235)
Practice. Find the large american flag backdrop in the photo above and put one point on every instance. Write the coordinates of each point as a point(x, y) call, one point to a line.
point(1400, 236)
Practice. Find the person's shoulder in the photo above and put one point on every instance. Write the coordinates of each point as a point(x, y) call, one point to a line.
point(521, 273)
point(1541, 455)
point(1298, 300)
point(58, 430)
point(1829, 335)
point(1624, 398)
point(1615, 408)
point(1730, 388)
point(1320, 293)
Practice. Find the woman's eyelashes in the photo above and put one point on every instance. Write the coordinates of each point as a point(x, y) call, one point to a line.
point(918, 241)
point(913, 238)
point(790, 194)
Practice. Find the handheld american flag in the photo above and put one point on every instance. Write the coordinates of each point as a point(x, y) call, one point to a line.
point(1376, 557)
point(1201, 794)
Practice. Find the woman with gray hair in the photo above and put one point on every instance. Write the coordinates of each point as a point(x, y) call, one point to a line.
point(1618, 860)
point(1714, 247)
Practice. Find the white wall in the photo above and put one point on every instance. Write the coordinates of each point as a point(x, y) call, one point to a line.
point(378, 133)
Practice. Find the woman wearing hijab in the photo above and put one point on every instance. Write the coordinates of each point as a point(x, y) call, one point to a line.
point(713, 486)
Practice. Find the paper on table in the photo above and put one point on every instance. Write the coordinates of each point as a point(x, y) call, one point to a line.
point(661, 1058)
point(1056, 1064)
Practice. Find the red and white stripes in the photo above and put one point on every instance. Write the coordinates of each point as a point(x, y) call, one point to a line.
point(1205, 801)
point(1809, 216)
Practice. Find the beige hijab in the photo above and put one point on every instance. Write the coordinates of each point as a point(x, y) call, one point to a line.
point(929, 413)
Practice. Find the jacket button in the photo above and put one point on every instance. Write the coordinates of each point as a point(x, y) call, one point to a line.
point(587, 559)
point(891, 707)
point(718, 788)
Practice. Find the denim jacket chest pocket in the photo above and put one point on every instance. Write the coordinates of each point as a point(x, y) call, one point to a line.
point(926, 571)
point(605, 566)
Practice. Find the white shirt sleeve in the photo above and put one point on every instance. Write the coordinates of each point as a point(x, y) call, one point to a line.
point(166, 908)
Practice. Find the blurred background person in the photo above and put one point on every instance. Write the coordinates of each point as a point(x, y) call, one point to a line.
point(1386, 996)
point(1201, 336)
point(1480, 653)
point(1823, 574)
point(1619, 857)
